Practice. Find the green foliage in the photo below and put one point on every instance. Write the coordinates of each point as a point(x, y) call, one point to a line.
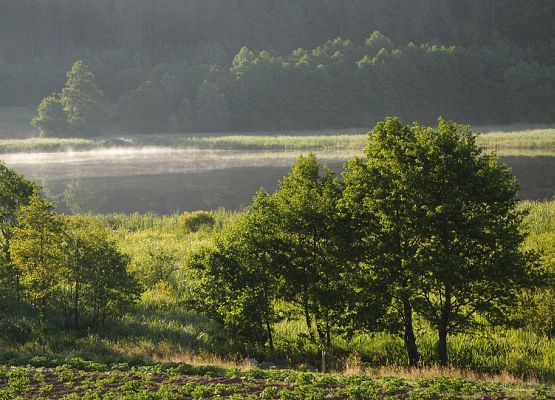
point(36, 249)
point(319, 277)
point(98, 284)
point(82, 100)
point(15, 192)
point(174, 381)
point(211, 107)
point(440, 218)
point(145, 109)
point(157, 265)
point(51, 118)
point(196, 220)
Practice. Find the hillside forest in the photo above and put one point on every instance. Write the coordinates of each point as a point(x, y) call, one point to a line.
point(217, 65)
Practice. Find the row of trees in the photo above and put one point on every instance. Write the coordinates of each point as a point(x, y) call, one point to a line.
point(338, 84)
point(81, 108)
point(64, 266)
point(426, 224)
point(208, 31)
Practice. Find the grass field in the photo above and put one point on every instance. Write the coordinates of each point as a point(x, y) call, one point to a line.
point(160, 327)
point(521, 141)
point(75, 378)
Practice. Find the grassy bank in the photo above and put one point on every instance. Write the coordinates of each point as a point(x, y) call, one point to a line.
point(534, 141)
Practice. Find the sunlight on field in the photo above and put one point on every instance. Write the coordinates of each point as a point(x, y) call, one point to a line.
point(520, 142)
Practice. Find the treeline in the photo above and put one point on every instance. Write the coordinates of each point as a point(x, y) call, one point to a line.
point(55, 269)
point(426, 227)
point(212, 31)
point(338, 84)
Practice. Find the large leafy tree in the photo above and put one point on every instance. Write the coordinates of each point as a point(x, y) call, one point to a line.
point(51, 118)
point(97, 282)
point(15, 192)
point(146, 109)
point(211, 107)
point(37, 251)
point(438, 217)
point(319, 275)
point(378, 200)
point(82, 100)
point(471, 237)
point(239, 275)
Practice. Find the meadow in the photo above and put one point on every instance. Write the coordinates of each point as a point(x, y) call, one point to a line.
point(162, 328)
point(510, 140)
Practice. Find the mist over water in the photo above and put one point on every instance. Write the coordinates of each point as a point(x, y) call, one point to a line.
point(165, 180)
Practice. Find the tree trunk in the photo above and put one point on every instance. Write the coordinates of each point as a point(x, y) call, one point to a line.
point(43, 306)
point(76, 304)
point(269, 333)
point(442, 330)
point(308, 320)
point(409, 337)
point(442, 345)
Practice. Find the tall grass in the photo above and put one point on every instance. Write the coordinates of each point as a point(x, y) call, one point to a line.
point(539, 141)
point(46, 145)
point(161, 328)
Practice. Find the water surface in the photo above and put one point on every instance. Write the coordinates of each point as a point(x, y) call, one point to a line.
point(163, 180)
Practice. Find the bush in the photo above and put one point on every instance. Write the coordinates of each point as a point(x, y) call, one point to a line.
point(51, 117)
point(194, 221)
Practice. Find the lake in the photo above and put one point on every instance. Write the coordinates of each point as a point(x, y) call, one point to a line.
point(164, 181)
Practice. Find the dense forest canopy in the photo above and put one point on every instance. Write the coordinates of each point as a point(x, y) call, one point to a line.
point(253, 65)
point(213, 30)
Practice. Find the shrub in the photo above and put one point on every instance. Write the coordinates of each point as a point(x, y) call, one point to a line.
point(194, 221)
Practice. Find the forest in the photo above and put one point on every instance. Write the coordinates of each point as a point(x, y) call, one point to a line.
point(214, 65)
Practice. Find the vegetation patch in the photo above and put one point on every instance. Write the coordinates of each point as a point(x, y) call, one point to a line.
point(77, 378)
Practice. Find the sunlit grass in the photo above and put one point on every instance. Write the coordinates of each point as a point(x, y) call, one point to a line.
point(534, 141)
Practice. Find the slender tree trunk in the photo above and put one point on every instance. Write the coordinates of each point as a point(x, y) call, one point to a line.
point(76, 304)
point(308, 319)
point(43, 306)
point(409, 337)
point(328, 335)
point(442, 351)
point(442, 345)
point(269, 333)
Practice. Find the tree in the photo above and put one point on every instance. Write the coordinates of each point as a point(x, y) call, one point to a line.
point(75, 197)
point(470, 242)
point(82, 100)
point(15, 192)
point(239, 283)
point(378, 200)
point(146, 109)
point(156, 266)
point(37, 252)
point(316, 272)
point(97, 282)
point(211, 107)
point(109, 288)
point(51, 118)
point(185, 115)
point(440, 220)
